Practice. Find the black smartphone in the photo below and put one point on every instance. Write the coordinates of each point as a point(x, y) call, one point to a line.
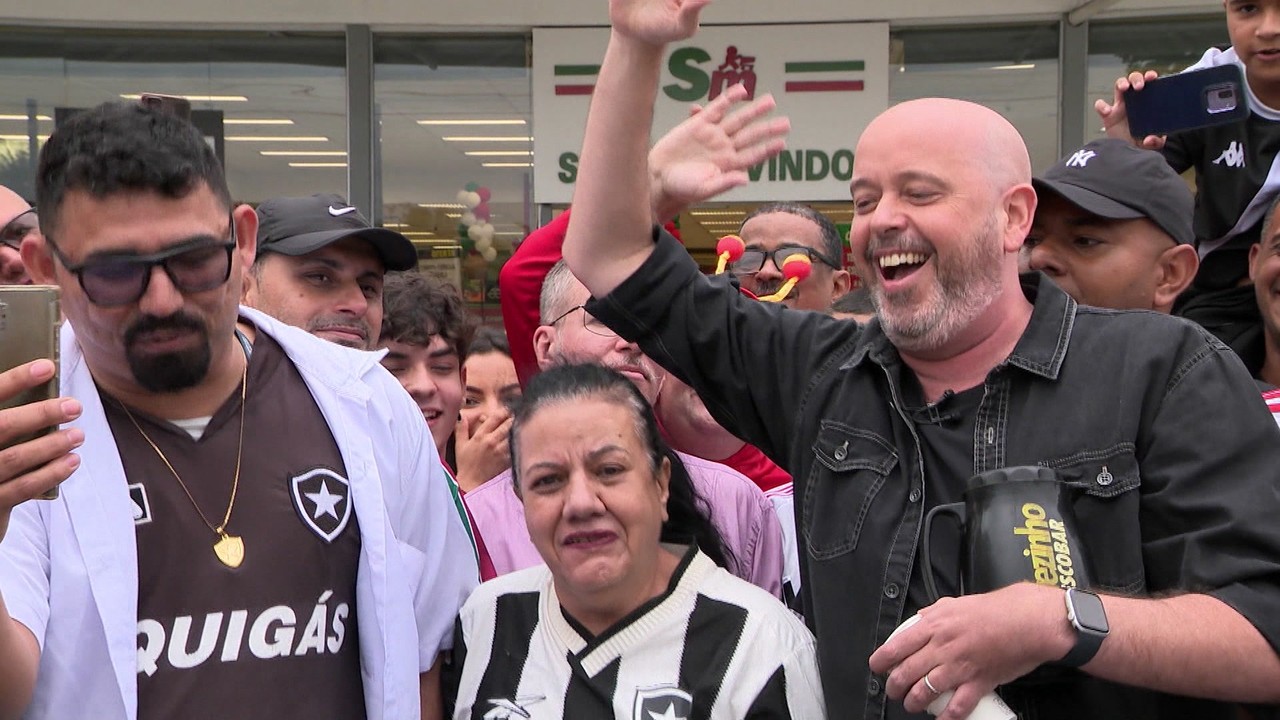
point(29, 322)
point(172, 104)
point(1187, 101)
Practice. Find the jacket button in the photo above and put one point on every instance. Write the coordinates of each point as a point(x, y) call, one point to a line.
point(891, 591)
point(914, 495)
point(873, 687)
point(842, 452)
point(1105, 477)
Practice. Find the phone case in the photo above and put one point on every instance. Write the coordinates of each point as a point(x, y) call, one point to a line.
point(1187, 101)
point(29, 321)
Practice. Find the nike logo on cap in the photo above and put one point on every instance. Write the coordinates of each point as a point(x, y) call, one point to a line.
point(338, 212)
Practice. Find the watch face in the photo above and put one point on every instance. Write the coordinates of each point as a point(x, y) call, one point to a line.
point(1088, 611)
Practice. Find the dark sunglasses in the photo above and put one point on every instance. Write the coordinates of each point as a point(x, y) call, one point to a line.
point(752, 260)
point(193, 266)
point(17, 229)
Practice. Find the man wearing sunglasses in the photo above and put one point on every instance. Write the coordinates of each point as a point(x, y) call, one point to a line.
point(19, 220)
point(260, 513)
point(776, 231)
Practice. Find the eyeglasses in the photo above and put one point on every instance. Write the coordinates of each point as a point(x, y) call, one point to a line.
point(752, 260)
point(193, 266)
point(17, 229)
point(589, 322)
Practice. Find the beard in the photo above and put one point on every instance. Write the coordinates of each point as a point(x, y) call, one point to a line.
point(965, 283)
point(170, 371)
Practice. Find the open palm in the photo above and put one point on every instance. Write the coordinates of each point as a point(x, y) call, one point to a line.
point(656, 22)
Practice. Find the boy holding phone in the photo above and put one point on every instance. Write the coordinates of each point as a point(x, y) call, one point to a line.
point(1237, 173)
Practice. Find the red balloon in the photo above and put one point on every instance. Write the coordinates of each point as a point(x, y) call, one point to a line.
point(484, 193)
point(482, 212)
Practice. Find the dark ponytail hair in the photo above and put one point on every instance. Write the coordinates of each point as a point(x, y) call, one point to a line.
point(688, 518)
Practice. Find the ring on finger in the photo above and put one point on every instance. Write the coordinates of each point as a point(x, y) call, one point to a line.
point(929, 685)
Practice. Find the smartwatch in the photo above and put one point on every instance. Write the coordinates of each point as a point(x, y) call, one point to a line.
point(1087, 615)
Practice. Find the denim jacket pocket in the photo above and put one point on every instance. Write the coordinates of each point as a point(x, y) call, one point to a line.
point(851, 468)
point(1106, 509)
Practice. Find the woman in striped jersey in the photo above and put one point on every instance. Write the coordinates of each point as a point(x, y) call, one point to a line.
point(617, 623)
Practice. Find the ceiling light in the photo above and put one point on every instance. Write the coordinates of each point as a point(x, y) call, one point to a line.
point(303, 153)
point(23, 138)
point(43, 118)
point(423, 233)
point(276, 138)
point(199, 98)
point(1019, 66)
point(257, 121)
point(499, 153)
point(440, 206)
point(486, 138)
point(453, 215)
point(471, 122)
point(395, 225)
point(510, 234)
point(507, 165)
point(717, 213)
point(318, 165)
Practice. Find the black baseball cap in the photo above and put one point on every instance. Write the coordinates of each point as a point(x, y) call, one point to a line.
point(299, 225)
point(1116, 180)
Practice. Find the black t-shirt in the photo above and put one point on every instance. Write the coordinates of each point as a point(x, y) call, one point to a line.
point(946, 443)
point(275, 637)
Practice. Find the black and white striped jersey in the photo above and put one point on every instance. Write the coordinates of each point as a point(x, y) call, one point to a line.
point(712, 646)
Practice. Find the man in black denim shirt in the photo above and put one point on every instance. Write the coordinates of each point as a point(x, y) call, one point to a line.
point(1154, 425)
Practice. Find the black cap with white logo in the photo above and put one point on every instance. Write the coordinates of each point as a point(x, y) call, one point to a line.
point(299, 225)
point(1113, 179)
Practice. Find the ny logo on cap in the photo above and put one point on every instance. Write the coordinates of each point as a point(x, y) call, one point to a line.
point(1081, 158)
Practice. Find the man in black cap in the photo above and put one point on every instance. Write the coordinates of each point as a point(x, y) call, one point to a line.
point(1113, 228)
point(320, 266)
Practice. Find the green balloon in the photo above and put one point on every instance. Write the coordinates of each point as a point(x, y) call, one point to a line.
point(471, 186)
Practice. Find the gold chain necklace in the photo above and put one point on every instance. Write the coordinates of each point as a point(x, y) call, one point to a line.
point(228, 548)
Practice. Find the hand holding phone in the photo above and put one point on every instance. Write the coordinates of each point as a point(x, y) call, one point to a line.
point(1187, 101)
point(29, 321)
point(35, 457)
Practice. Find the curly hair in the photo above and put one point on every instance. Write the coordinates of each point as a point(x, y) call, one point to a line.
point(417, 306)
point(124, 147)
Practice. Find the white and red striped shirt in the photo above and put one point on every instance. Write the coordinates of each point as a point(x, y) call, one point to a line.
point(1272, 398)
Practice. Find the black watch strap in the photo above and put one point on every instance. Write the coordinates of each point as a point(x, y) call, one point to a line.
point(1088, 639)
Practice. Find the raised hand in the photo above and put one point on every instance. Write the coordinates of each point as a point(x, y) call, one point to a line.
point(656, 22)
point(709, 153)
point(28, 469)
point(1115, 118)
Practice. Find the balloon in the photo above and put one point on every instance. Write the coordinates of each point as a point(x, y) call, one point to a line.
point(468, 218)
point(489, 254)
point(482, 212)
point(471, 186)
point(484, 193)
point(484, 242)
point(472, 200)
point(474, 233)
point(462, 196)
point(462, 230)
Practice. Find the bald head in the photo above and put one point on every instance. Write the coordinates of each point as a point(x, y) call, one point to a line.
point(974, 135)
point(11, 204)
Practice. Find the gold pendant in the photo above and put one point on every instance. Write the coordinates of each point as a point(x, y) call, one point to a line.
point(230, 550)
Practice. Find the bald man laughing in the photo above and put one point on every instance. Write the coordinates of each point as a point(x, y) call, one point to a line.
point(968, 369)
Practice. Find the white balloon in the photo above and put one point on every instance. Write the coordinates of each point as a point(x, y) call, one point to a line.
point(474, 233)
point(468, 218)
point(462, 196)
point(483, 243)
point(489, 254)
point(473, 199)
